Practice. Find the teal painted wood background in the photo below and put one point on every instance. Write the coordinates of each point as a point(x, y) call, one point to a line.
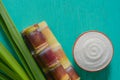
point(68, 19)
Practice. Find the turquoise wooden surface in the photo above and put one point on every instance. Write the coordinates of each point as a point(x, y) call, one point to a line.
point(68, 19)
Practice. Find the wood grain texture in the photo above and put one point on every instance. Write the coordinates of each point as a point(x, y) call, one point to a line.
point(68, 19)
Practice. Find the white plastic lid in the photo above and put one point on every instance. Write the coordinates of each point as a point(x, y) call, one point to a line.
point(93, 51)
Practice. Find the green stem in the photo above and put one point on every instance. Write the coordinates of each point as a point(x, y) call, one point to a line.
point(19, 46)
point(9, 72)
point(3, 77)
point(11, 62)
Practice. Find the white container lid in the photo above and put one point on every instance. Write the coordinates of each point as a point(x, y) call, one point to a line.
point(92, 51)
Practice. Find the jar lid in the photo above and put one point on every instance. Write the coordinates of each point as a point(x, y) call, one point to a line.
point(93, 51)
